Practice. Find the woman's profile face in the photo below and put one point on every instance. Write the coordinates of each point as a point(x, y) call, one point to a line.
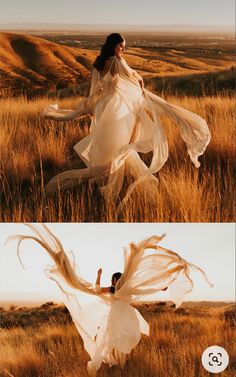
point(119, 49)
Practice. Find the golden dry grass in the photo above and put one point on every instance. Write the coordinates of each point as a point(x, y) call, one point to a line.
point(34, 149)
point(173, 349)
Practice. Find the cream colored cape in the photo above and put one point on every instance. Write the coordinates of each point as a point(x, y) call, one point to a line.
point(125, 122)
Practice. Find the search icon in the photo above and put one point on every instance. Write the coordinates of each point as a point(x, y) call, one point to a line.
point(215, 359)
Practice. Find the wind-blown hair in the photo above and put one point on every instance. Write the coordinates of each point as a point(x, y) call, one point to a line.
point(107, 50)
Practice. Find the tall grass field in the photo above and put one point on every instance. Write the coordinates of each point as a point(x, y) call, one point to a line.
point(34, 149)
point(42, 342)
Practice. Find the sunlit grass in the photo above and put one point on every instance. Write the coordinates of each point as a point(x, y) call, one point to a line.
point(174, 347)
point(33, 150)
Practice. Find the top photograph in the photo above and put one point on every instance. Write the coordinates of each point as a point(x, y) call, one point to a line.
point(117, 113)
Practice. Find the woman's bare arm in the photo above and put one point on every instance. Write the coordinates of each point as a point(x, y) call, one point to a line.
point(97, 284)
point(139, 78)
point(105, 289)
point(99, 273)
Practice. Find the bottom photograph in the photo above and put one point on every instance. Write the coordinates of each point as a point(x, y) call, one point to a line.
point(120, 299)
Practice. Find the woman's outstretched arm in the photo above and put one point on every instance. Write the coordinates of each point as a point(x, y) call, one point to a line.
point(99, 273)
point(97, 284)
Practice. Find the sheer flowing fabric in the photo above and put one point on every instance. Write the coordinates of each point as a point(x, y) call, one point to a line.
point(125, 122)
point(109, 325)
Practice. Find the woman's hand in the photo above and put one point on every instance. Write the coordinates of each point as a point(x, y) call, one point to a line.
point(99, 273)
point(164, 289)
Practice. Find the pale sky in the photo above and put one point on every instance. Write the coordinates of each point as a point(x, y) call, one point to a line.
point(133, 12)
point(210, 246)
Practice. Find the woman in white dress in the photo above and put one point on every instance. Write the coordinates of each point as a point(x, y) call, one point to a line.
point(112, 327)
point(125, 122)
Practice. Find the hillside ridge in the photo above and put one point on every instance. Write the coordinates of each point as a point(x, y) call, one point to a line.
point(37, 65)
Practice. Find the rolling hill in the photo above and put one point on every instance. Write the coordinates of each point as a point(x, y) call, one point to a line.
point(36, 65)
point(27, 61)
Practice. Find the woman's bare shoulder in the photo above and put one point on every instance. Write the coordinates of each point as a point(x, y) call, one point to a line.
point(109, 60)
point(108, 66)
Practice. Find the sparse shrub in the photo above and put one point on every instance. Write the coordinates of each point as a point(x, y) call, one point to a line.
point(12, 308)
point(47, 304)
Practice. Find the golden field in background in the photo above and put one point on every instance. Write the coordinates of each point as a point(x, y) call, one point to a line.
point(33, 150)
point(46, 343)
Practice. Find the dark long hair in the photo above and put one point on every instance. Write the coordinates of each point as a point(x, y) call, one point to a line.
point(107, 50)
point(116, 276)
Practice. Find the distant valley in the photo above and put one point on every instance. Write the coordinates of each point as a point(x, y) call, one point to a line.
point(38, 65)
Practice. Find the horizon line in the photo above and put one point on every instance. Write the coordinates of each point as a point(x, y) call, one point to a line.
point(111, 24)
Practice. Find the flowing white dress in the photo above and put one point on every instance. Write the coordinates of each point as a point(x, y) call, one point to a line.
point(112, 327)
point(125, 122)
